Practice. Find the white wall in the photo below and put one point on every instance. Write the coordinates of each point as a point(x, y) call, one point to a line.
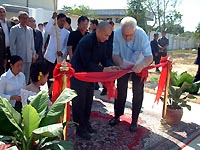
point(177, 42)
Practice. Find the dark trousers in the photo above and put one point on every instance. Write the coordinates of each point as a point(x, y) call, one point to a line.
point(197, 76)
point(138, 92)
point(82, 103)
point(163, 54)
point(157, 60)
point(51, 67)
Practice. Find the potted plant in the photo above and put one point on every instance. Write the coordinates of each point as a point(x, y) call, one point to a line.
point(37, 127)
point(180, 88)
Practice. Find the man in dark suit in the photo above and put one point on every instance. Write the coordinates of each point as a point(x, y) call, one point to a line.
point(5, 26)
point(155, 50)
point(38, 39)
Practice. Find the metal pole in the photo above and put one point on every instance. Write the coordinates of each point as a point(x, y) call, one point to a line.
point(27, 3)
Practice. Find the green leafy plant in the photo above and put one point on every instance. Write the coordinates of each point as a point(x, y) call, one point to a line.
point(180, 89)
point(37, 126)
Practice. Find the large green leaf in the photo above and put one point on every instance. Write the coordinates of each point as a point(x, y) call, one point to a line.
point(31, 120)
point(59, 145)
point(186, 86)
point(184, 77)
point(13, 116)
point(173, 78)
point(57, 108)
point(6, 127)
point(40, 103)
point(175, 92)
point(53, 130)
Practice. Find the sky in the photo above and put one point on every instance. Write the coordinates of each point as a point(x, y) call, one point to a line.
point(188, 8)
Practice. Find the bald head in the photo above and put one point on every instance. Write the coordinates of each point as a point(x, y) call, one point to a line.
point(103, 31)
point(103, 25)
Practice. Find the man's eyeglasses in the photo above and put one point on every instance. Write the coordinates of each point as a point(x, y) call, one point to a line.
point(127, 35)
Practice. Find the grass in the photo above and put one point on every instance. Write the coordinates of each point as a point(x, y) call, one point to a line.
point(183, 60)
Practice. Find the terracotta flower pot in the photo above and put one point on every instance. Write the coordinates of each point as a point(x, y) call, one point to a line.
point(173, 116)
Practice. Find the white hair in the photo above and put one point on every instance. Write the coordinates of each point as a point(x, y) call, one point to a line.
point(1, 7)
point(128, 22)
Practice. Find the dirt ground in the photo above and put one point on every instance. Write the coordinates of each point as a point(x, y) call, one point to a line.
point(182, 61)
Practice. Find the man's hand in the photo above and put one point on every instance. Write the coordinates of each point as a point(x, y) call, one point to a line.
point(17, 98)
point(111, 69)
point(54, 15)
point(138, 68)
point(35, 58)
point(59, 53)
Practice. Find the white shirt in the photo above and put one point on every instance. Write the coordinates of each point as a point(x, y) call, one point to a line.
point(11, 85)
point(6, 32)
point(51, 52)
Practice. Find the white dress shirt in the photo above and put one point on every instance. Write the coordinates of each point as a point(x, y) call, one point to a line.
point(6, 32)
point(51, 52)
point(11, 84)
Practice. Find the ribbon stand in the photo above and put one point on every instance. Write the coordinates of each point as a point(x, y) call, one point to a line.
point(163, 120)
point(66, 117)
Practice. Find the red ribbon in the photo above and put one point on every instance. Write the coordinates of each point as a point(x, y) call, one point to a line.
point(107, 78)
point(57, 75)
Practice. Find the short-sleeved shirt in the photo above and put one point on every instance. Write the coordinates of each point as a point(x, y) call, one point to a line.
point(134, 50)
point(163, 41)
point(74, 38)
point(89, 54)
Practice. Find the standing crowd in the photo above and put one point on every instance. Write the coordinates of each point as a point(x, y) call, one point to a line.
point(28, 57)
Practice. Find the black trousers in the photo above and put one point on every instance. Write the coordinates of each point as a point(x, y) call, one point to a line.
point(51, 67)
point(197, 76)
point(157, 60)
point(138, 92)
point(82, 103)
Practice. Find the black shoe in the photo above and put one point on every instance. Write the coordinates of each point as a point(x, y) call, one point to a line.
point(90, 129)
point(84, 135)
point(114, 121)
point(104, 91)
point(133, 127)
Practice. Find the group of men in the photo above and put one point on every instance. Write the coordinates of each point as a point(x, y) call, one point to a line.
point(159, 47)
point(102, 50)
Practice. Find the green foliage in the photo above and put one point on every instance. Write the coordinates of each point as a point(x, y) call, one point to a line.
point(38, 124)
point(165, 15)
point(40, 103)
point(57, 108)
point(59, 145)
point(179, 88)
point(80, 10)
point(137, 9)
point(173, 21)
point(197, 32)
point(31, 120)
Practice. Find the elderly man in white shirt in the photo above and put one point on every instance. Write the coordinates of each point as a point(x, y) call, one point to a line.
point(51, 52)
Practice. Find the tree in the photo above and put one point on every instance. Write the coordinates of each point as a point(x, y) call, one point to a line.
point(137, 9)
point(80, 10)
point(162, 11)
point(197, 32)
point(173, 21)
